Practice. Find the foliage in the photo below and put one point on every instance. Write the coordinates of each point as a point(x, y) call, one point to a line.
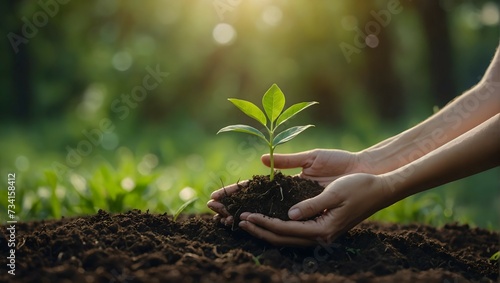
point(273, 102)
point(184, 169)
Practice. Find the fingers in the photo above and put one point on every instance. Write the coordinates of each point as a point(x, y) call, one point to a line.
point(296, 229)
point(222, 192)
point(223, 220)
point(273, 238)
point(313, 206)
point(218, 208)
point(294, 160)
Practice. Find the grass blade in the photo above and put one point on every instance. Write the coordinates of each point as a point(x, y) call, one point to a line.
point(183, 207)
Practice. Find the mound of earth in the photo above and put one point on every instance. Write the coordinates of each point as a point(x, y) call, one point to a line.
point(144, 247)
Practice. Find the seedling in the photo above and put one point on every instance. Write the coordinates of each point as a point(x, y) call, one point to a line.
point(273, 103)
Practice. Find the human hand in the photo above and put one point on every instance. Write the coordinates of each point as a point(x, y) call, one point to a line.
point(344, 203)
point(321, 165)
point(214, 203)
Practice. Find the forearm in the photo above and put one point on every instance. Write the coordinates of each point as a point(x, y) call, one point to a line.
point(461, 115)
point(475, 151)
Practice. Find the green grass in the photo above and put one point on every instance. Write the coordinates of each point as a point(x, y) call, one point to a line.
point(164, 173)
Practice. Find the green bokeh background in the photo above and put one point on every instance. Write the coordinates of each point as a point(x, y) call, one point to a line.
point(68, 66)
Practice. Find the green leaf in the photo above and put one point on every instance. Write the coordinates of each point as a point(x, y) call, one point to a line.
point(292, 111)
point(273, 102)
point(250, 110)
point(243, 129)
point(289, 134)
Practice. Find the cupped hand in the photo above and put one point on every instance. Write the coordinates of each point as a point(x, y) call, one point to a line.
point(344, 203)
point(321, 165)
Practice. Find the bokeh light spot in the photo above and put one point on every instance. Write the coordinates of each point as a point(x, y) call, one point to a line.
point(110, 141)
point(272, 15)
point(122, 61)
point(224, 34)
point(490, 14)
point(187, 193)
point(79, 183)
point(93, 99)
point(148, 163)
point(128, 184)
point(372, 41)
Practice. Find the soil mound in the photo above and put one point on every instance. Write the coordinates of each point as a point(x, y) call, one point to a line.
point(144, 247)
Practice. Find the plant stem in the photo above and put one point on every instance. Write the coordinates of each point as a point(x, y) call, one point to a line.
point(271, 152)
point(271, 157)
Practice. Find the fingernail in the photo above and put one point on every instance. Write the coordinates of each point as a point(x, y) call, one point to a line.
point(242, 224)
point(294, 214)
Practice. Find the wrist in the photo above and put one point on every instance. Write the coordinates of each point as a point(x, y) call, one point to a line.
point(371, 161)
point(392, 184)
point(381, 195)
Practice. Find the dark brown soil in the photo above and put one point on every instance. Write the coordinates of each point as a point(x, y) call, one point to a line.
point(142, 247)
point(272, 198)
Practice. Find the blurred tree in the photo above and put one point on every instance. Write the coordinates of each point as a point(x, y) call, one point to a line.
point(440, 60)
point(21, 75)
point(292, 43)
point(382, 82)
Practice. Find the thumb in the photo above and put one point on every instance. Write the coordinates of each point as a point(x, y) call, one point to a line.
point(285, 161)
point(309, 207)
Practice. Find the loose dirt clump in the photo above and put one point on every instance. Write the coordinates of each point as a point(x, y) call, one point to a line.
point(144, 247)
point(272, 198)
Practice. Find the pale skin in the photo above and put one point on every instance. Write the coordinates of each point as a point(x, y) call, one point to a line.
point(461, 139)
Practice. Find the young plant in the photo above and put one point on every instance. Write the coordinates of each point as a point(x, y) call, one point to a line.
point(273, 102)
